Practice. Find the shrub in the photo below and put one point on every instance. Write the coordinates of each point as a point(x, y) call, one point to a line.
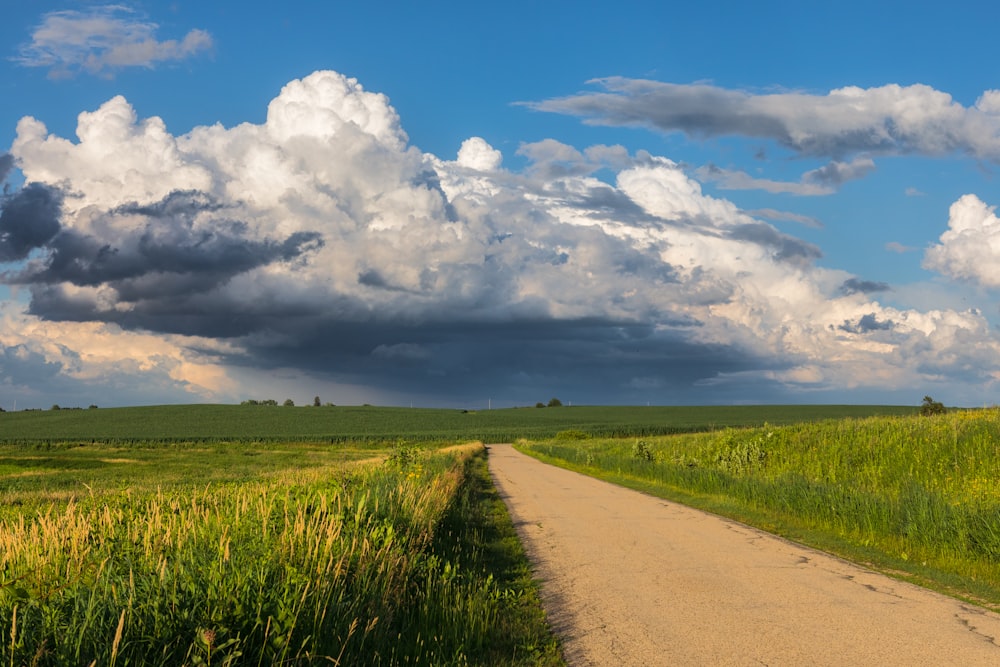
point(642, 451)
point(554, 402)
point(932, 407)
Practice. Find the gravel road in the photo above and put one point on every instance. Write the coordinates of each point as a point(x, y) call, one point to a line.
point(628, 579)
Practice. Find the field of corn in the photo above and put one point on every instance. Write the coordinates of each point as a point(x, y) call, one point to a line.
point(356, 424)
point(918, 497)
point(235, 554)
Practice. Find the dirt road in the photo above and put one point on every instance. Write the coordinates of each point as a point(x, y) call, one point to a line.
point(629, 579)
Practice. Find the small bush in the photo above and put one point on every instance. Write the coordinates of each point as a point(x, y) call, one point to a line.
point(932, 407)
point(642, 451)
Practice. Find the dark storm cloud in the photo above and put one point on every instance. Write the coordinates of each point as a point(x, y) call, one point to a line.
point(512, 361)
point(165, 255)
point(29, 219)
point(6, 166)
point(866, 324)
point(856, 286)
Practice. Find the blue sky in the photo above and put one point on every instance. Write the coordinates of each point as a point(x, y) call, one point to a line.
point(454, 204)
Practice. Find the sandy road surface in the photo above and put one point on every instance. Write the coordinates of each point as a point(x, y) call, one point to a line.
point(629, 579)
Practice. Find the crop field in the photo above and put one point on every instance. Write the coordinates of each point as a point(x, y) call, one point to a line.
point(293, 553)
point(262, 423)
point(917, 497)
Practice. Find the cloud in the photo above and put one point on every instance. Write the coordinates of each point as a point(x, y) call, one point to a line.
point(102, 40)
point(476, 154)
point(28, 220)
point(837, 173)
point(866, 324)
point(856, 286)
point(899, 248)
point(774, 214)
point(970, 249)
point(822, 181)
point(729, 179)
point(321, 245)
point(914, 192)
point(6, 166)
point(885, 120)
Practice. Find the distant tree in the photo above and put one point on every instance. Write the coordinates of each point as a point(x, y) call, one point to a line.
point(554, 403)
point(56, 407)
point(289, 403)
point(316, 402)
point(932, 407)
point(539, 404)
point(92, 407)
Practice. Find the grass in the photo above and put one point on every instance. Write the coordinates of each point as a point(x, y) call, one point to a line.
point(918, 497)
point(225, 553)
point(350, 424)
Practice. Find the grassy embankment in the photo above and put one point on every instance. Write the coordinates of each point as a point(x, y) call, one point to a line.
point(240, 554)
point(918, 497)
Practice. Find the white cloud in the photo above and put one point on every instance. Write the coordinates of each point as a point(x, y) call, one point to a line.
point(103, 39)
point(320, 241)
point(885, 120)
point(970, 249)
point(476, 154)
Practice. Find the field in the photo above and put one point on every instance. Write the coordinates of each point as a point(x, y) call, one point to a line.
point(292, 553)
point(917, 497)
point(255, 423)
point(362, 535)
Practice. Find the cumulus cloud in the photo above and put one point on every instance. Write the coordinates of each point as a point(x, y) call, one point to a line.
point(321, 242)
point(822, 181)
point(885, 120)
point(970, 249)
point(103, 39)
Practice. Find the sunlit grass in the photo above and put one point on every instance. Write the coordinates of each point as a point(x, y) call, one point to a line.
point(235, 554)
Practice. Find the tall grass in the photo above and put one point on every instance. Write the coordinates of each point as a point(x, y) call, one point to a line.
point(915, 494)
point(294, 567)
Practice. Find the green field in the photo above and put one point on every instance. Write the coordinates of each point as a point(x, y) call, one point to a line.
point(917, 497)
point(377, 424)
point(236, 554)
point(212, 534)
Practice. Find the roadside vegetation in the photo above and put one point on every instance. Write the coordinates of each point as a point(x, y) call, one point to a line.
point(220, 553)
point(917, 497)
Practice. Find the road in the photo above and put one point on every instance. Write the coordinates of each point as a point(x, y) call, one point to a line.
point(628, 579)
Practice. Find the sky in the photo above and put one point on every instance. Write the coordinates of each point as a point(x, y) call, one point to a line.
point(477, 205)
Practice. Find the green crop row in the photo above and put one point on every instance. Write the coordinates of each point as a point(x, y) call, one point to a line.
point(919, 495)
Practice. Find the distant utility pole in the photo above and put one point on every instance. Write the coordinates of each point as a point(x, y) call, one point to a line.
point(489, 404)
